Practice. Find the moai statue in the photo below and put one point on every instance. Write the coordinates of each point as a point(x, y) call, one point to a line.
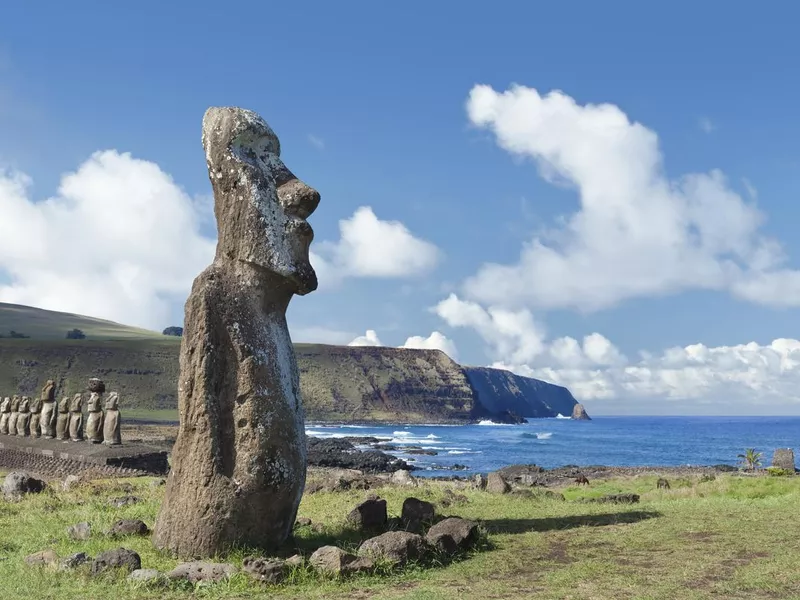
point(76, 418)
point(24, 417)
point(62, 420)
point(36, 417)
point(12, 418)
point(5, 413)
point(111, 422)
point(49, 410)
point(94, 422)
point(239, 461)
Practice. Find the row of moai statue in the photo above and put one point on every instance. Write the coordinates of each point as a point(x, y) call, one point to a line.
point(43, 417)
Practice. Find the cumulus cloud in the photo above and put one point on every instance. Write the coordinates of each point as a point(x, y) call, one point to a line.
point(435, 341)
point(370, 338)
point(119, 240)
point(371, 247)
point(637, 232)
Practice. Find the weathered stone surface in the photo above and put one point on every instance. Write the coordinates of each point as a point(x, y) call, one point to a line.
point(70, 482)
point(24, 417)
point(5, 413)
point(264, 569)
point(80, 531)
point(119, 558)
point(45, 558)
point(112, 421)
point(94, 422)
point(616, 499)
point(75, 560)
point(76, 418)
point(784, 458)
point(47, 420)
point(295, 561)
point(335, 561)
point(403, 477)
point(579, 413)
point(17, 485)
point(302, 522)
point(370, 514)
point(395, 546)
point(34, 427)
point(148, 576)
point(452, 535)
point(479, 481)
point(124, 501)
point(96, 386)
point(496, 484)
point(240, 452)
point(203, 571)
point(62, 419)
point(125, 527)
point(416, 513)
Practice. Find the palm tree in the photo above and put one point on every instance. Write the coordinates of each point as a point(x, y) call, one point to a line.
point(751, 459)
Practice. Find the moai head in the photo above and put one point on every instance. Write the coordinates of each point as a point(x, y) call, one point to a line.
point(77, 403)
point(49, 391)
point(24, 404)
point(94, 402)
point(260, 206)
point(63, 406)
point(112, 401)
point(5, 405)
point(97, 385)
point(15, 403)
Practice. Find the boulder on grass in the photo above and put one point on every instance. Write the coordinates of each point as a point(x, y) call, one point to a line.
point(44, 558)
point(397, 547)
point(416, 513)
point(335, 561)
point(203, 571)
point(80, 531)
point(264, 569)
point(403, 478)
point(125, 527)
point(370, 514)
point(453, 535)
point(120, 558)
point(496, 484)
point(18, 484)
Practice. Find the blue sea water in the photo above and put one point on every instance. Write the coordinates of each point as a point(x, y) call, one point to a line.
point(612, 441)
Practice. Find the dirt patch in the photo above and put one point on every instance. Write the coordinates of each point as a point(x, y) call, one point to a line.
point(724, 570)
point(700, 536)
point(557, 552)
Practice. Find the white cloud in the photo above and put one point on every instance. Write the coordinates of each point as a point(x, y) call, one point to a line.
point(368, 339)
point(435, 341)
point(705, 124)
point(119, 240)
point(637, 233)
point(317, 142)
point(320, 335)
point(370, 247)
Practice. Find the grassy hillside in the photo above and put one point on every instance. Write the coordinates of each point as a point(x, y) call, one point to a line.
point(339, 383)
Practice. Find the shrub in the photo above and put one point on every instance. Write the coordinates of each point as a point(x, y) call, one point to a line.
point(76, 334)
point(778, 472)
point(176, 331)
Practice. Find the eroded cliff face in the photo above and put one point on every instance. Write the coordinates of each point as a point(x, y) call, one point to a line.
point(338, 383)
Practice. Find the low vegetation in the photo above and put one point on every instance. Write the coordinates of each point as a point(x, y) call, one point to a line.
point(733, 537)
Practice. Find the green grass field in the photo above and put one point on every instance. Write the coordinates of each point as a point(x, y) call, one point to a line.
point(733, 538)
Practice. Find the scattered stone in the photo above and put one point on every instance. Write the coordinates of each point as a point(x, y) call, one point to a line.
point(335, 561)
point(156, 483)
point(146, 576)
point(398, 547)
point(17, 484)
point(496, 484)
point(453, 535)
point(302, 522)
point(45, 558)
point(71, 481)
point(125, 527)
point(707, 477)
point(124, 501)
point(295, 561)
point(203, 571)
point(582, 480)
point(264, 569)
point(75, 560)
point(784, 459)
point(662, 484)
point(317, 527)
point(370, 514)
point(479, 481)
point(579, 413)
point(416, 513)
point(403, 477)
point(80, 531)
point(617, 499)
point(120, 558)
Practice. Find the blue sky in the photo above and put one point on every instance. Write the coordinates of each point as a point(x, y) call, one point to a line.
point(371, 104)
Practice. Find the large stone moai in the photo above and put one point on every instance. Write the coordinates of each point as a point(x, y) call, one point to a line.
point(94, 422)
point(5, 413)
point(111, 422)
point(12, 418)
point(24, 417)
point(49, 410)
point(239, 461)
point(36, 417)
point(76, 418)
point(62, 419)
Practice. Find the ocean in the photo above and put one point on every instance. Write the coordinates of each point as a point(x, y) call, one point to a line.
point(610, 441)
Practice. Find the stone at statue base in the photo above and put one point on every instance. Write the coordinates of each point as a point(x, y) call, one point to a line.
point(111, 421)
point(94, 422)
point(62, 420)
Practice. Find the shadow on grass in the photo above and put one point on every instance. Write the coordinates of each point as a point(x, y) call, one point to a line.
point(557, 523)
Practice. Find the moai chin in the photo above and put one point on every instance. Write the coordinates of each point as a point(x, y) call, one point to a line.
point(239, 461)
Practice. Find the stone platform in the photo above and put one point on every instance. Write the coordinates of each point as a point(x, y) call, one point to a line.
point(74, 457)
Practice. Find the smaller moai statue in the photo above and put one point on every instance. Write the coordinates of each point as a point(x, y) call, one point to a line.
point(36, 416)
point(12, 419)
point(62, 419)
point(111, 422)
point(76, 418)
point(49, 410)
point(94, 422)
point(5, 413)
point(24, 417)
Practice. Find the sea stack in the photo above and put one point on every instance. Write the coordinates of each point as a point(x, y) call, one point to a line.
point(579, 413)
point(239, 461)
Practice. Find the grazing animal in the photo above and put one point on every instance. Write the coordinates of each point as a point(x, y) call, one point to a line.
point(662, 483)
point(581, 480)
